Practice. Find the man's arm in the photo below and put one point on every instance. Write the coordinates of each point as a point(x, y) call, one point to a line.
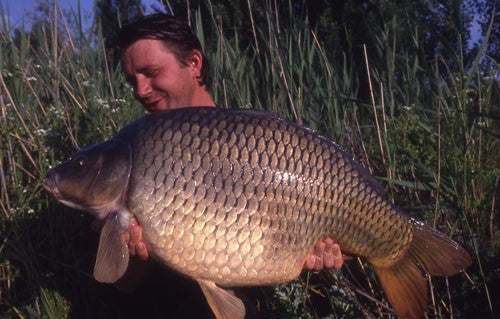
point(327, 253)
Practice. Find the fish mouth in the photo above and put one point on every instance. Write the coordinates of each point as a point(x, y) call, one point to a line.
point(50, 185)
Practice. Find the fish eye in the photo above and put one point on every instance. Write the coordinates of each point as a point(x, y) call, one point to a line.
point(79, 161)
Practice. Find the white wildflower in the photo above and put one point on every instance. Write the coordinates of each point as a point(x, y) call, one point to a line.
point(59, 114)
point(31, 211)
point(86, 83)
point(41, 132)
point(102, 103)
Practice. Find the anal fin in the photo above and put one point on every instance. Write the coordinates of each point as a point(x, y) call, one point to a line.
point(112, 254)
point(224, 304)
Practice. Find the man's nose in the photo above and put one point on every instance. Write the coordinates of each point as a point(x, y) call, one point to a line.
point(142, 88)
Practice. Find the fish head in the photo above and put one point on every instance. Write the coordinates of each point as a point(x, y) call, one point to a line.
point(95, 179)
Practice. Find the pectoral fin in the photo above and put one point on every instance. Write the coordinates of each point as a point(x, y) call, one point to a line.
point(224, 304)
point(112, 254)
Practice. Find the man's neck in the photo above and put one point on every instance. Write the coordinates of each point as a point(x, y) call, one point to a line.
point(203, 98)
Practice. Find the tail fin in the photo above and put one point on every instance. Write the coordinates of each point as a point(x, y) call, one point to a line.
point(431, 253)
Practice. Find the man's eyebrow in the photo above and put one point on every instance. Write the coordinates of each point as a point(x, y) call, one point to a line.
point(147, 68)
point(140, 70)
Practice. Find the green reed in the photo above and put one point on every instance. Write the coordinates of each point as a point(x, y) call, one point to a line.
point(428, 131)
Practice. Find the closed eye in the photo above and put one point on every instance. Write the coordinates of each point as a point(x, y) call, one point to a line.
point(150, 73)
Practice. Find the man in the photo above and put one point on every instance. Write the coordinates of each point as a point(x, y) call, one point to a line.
point(163, 61)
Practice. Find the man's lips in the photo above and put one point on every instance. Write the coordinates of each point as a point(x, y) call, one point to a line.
point(152, 106)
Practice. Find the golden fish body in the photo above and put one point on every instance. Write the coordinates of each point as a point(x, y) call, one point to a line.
point(240, 197)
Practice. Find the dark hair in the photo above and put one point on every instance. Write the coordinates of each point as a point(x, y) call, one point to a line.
point(175, 32)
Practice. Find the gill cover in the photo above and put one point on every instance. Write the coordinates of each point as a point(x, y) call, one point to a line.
point(96, 176)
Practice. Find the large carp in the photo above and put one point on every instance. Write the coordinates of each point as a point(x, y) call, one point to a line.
point(239, 198)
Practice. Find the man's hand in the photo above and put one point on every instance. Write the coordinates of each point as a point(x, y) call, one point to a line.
point(327, 254)
point(133, 238)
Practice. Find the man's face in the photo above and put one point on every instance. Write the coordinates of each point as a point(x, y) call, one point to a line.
point(159, 80)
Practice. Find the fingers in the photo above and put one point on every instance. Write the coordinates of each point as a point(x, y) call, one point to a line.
point(142, 251)
point(133, 238)
point(332, 257)
point(310, 262)
point(327, 254)
point(338, 260)
point(315, 261)
point(319, 250)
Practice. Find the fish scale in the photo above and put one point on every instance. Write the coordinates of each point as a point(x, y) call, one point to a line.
point(284, 189)
point(239, 198)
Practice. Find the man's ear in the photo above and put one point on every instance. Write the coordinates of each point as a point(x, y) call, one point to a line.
point(195, 62)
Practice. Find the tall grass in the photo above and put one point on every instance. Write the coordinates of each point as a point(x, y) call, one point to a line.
point(429, 132)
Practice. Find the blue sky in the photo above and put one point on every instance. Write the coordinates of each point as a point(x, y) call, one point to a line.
point(18, 9)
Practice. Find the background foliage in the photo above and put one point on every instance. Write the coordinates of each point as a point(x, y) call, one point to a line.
point(394, 82)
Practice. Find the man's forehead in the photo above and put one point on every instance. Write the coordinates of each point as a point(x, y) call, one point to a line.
point(148, 44)
point(143, 51)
